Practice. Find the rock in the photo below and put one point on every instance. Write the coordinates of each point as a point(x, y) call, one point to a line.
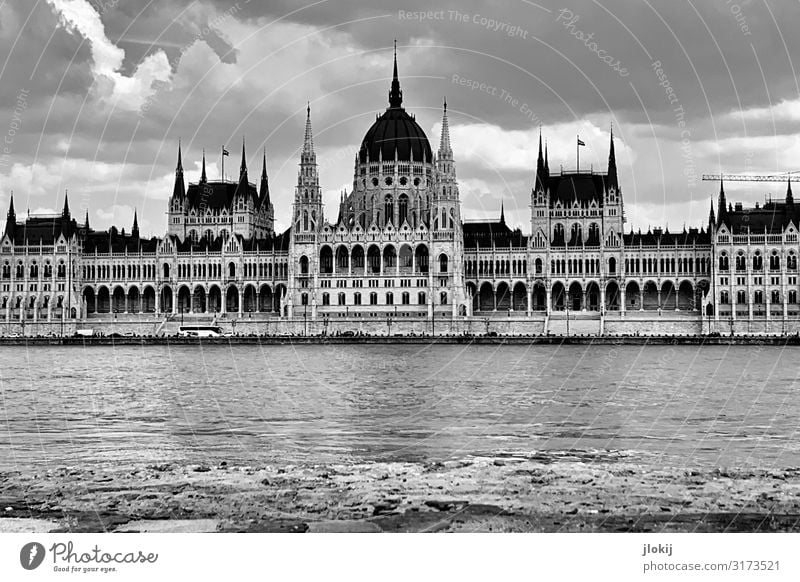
point(201, 469)
point(442, 505)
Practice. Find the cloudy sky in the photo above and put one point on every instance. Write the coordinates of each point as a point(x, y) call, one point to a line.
point(94, 95)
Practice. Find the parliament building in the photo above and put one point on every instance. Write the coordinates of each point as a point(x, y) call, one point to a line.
point(398, 251)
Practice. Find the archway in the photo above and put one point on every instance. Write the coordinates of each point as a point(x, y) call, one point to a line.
point(134, 300)
point(357, 260)
point(184, 300)
point(214, 299)
point(250, 299)
point(374, 259)
point(166, 299)
point(232, 299)
point(632, 296)
point(539, 297)
point(326, 260)
point(559, 296)
point(421, 259)
point(650, 300)
point(668, 296)
point(90, 299)
point(265, 299)
point(149, 300)
point(486, 298)
point(405, 257)
point(612, 296)
point(593, 296)
point(575, 296)
point(685, 296)
point(118, 300)
point(199, 300)
point(342, 259)
point(520, 297)
point(389, 258)
point(503, 297)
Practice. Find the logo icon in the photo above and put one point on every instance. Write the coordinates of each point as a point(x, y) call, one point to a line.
point(31, 555)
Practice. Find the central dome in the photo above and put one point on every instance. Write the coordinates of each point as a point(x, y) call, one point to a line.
point(395, 131)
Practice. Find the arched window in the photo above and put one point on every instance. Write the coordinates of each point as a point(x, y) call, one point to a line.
point(402, 207)
point(342, 299)
point(443, 263)
point(443, 297)
point(723, 262)
point(305, 218)
point(758, 262)
point(421, 298)
point(326, 299)
point(558, 234)
point(388, 209)
point(304, 265)
point(612, 266)
point(405, 298)
point(390, 298)
point(576, 235)
point(231, 269)
point(723, 297)
point(774, 261)
point(193, 236)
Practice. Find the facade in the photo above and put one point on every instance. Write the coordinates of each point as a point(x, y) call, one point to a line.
point(399, 249)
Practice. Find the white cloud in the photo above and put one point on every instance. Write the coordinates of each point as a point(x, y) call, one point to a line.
point(126, 92)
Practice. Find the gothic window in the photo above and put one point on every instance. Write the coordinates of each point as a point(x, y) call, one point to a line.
point(421, 298)
point(193, 236)
point(443, 297)
point(538, 266)
point(326, 299)
point(305, 220)
point(741, 297)
point(209, 234)
point(740, 262)
point(724, 265)
point(576, 235)
point(304, 265)
point(776, 297)
point(388, 209)
point(758, 297)
point(443, 263)
point(774, 261)
point(304, 299)
point(558, 234)
point(231, 269)
point(390, 298)
point(792, 297)
point(405, 298)
point(342, 299)
point(791, 262)
point(373, 298)
point(723, 297)
point(402, 209)
point(758, 262)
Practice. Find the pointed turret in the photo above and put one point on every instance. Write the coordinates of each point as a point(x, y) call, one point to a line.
point(263, 193)
point(540, 168)
point(722, 209)
point(65, 211)
point(179, 190)
point(789, 196)
point(395, 94)
point(612, 164)
point(203, 178)
point(546, 161)
point(502, 213)
point(445, 151)
point(712, 220)
point(11, 218)
point(86, 222)
point(308, 139)
point(135, 228)
point(243, 166)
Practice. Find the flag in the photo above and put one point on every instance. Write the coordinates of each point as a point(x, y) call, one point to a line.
point(580, 143)
point(225, 152)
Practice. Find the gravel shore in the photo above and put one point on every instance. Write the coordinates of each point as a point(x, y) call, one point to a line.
point(508, 493)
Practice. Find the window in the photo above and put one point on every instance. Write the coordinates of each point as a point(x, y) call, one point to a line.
point(741, 297)
point(357, 299)
point(775, 296)
point(402, 206)
point(405, 298)
point(792, 297)
point(342, 299)
point(373, 298)
point(388, 209)
point(443, 298)
point(724, 298)
point(724, 264)
point(443, 263)
point(389, 298)
point(421, 298)
point(326, 299)
point(304, 299)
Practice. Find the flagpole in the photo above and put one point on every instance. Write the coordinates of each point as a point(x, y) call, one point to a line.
point(223, 163)
point(578, 153)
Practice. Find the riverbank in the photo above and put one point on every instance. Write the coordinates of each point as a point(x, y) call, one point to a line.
point(571, 491)
point(712, 340)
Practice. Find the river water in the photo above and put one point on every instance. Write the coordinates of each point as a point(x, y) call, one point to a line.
point(728, 406)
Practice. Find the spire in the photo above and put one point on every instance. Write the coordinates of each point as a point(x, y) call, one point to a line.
point(264, 191)
point(86, 221)
point(540, 169)
point(502, 213)
point(308, 140)
point(203, 179)
point(722, 209)
point(135, 229)
point(243, 166)
point(789, 196)
point(712, 220)
point(612, 164)
point(11, 218)
point(546, 161)
point(395, 94)
point(444, 142)
point(179, 190)
point(65, 212)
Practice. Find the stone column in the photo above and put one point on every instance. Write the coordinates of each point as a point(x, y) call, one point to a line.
point(530, 301)
point(622, 300)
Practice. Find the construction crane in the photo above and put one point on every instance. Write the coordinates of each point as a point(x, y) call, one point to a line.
point(749, 177)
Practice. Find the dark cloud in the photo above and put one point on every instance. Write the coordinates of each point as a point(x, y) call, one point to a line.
point(248, 67)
